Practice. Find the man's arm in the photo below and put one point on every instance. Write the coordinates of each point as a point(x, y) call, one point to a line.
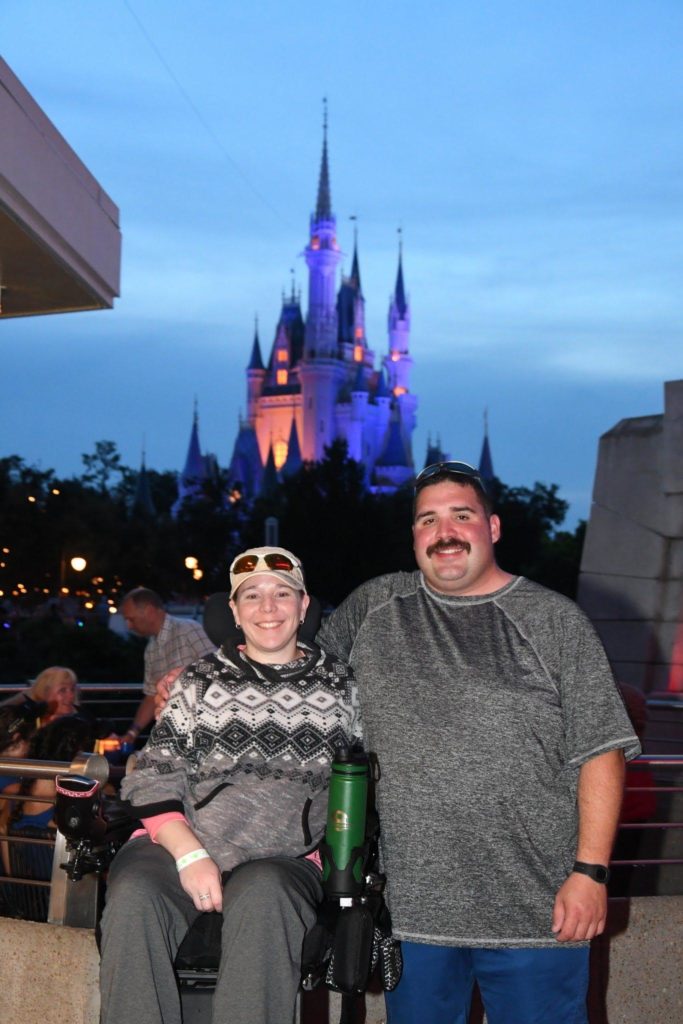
point(580, 907)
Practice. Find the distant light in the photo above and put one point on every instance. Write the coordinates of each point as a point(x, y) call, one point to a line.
point(79, 623)
point(5, 551)
point(56, 490)
point(112, 610)
point(31, 498)
point(6, 625)
point(191, 562)
point(197, 574)
point(89, 605)
point(78, 563)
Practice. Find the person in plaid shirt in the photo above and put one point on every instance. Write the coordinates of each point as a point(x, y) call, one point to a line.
point(172, 645)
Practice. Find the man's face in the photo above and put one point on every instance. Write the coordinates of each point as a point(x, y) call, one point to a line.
point(453, 540)
point(140, 618)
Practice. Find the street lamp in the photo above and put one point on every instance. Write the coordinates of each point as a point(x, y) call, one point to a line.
point(77, 563)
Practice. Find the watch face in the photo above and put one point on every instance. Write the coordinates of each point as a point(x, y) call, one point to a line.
point(601, 874)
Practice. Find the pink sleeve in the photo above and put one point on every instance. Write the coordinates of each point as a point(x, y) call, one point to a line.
point(154, 823)
point(315, 857)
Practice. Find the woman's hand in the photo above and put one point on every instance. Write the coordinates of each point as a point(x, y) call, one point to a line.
point(200, 877)
point(202, 882)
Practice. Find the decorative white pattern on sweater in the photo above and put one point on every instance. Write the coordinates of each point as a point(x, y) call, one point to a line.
point(245, 749)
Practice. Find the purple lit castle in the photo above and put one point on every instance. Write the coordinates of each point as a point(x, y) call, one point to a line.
point(320, 383)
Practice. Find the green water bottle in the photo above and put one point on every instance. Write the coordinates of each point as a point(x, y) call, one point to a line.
point(344, 849)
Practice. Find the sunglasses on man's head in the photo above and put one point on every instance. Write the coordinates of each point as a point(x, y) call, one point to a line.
point(273, 560)
point(460, 468)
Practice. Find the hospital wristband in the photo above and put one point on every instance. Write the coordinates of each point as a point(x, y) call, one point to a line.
point(190, 858)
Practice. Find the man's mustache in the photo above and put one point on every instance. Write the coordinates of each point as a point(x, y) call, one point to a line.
point(448, 542)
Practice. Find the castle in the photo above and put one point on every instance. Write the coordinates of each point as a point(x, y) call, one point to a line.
point(320, 383)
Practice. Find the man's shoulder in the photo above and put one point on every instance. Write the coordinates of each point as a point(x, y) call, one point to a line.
point(528, 590)
point(178, 625)
point(380, 589)
point(530, 600)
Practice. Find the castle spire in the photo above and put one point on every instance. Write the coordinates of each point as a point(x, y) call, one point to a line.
point(143, 503)
point(355, 266)
point(323, 208)
point(400, 291)
point(255, 362)
point(485, 459)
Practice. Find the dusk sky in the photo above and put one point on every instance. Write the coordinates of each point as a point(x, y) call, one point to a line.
point(531, 153)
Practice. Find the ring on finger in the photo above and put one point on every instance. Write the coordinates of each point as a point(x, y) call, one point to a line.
point(204, 895)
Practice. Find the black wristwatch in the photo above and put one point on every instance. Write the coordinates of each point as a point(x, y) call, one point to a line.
point(598, 872)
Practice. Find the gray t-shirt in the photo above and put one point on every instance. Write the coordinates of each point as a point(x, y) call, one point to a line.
point(481, 710)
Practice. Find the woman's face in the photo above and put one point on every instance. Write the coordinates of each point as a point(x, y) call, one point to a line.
point(61, 697)
point(269, 613)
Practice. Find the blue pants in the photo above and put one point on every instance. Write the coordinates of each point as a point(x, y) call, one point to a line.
point(517, 986)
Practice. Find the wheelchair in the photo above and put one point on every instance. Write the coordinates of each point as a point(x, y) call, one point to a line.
point(349, 946)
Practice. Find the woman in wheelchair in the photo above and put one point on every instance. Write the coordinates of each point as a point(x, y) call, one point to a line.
point(231, 790)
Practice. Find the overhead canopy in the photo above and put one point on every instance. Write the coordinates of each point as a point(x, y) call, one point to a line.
point(60, 243)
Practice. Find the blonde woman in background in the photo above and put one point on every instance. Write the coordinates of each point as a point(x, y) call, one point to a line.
point(57, 687)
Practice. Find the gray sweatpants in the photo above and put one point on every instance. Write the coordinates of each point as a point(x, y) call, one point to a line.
point(268, 905)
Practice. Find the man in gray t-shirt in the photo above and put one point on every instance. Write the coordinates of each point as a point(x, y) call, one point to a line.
point(501, 739)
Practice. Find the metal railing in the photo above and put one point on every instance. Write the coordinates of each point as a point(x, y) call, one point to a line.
point(72, 903)
point(77, 903)
point(664, 761)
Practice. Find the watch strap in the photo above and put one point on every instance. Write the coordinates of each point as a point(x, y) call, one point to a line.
point(598, 872)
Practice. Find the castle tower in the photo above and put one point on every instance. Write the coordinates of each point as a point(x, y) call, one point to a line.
point(143, 503)
point(322, 258)
point(191, 480)
point(485, 459)
point(256, 373)
point(321, 373)
point(398, 363)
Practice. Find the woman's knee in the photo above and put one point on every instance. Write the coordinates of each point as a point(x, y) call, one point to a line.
point(273, 882)
point(139, 873)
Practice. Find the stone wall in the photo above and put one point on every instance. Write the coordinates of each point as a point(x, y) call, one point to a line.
point(631, 582)
point(49, 973)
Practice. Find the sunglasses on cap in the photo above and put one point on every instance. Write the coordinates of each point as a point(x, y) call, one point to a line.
point(460, 468)
point(273, 560)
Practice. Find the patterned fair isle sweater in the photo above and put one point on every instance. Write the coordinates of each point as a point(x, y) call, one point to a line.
point(244, 749)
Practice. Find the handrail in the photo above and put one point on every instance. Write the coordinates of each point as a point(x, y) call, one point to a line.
point(12, 688)
point(658, 760)
point(76, 903)
point(93, 765)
